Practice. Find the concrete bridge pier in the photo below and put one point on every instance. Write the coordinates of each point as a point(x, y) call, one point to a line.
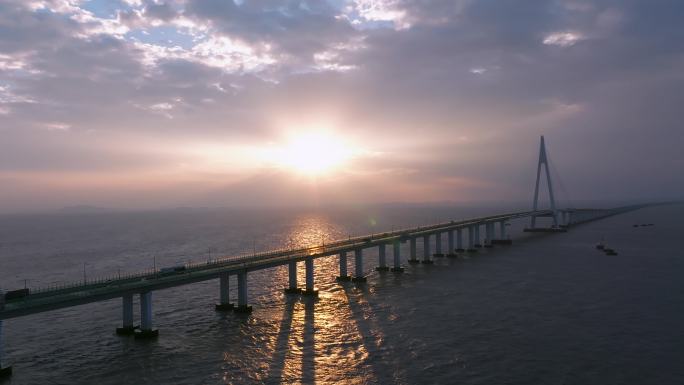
point(7, 370)
point(565, 216)
point(343, 268)
point(127, 328)
point(310, 289)
point(450, 244)
point(459, 241)
point(426, 251)
point(358, 266)
point(224, 293)
point(477, 244)
point(489, 234)
point(146, 330)
point(438, 246)
point(242, 306)
point(396, 248)
point(503, 238)
point(413, 259)
point(382, 256)
point(471, 239)
point(292, 279)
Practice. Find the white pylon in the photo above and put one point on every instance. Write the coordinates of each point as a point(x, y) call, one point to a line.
point(543, 160)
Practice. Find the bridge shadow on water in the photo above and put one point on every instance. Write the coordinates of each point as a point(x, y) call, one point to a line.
point(280, 370)
point(365, 317)
point(307, 343)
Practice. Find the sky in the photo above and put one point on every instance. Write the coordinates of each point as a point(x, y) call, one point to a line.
point(166, 103)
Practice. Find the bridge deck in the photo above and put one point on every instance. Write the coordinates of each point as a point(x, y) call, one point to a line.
point(113, 287)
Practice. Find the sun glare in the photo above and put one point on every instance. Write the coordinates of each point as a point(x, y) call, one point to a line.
point(314, 153)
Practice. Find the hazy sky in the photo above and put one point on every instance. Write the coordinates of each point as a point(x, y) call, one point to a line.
point(152, 103)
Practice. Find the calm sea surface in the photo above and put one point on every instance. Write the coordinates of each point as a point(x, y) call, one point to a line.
point(550, 309)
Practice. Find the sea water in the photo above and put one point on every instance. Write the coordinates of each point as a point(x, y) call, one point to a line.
point(549, 309)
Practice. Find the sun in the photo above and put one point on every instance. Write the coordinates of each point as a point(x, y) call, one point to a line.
point(314, 153)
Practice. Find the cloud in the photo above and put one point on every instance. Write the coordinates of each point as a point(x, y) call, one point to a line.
point(563, 39)
point(88, 91)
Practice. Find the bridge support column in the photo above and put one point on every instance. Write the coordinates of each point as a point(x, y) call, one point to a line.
point(224, 293)
point(477, 244)
point(565, 218)
point(358, 266)
point(459, 241)
point(146, 329)
point(412, 252)
point(426, 251)
point(438, 246)
point(7, 370)
point(382, 256)
point(503, 238)
point(343, 267)
point(310, 290)
point(450, 244)
point(471, 239)
point(127, 327)
point(292, 278)
point(396, 248)
point(489, 234)
point(242, 306)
